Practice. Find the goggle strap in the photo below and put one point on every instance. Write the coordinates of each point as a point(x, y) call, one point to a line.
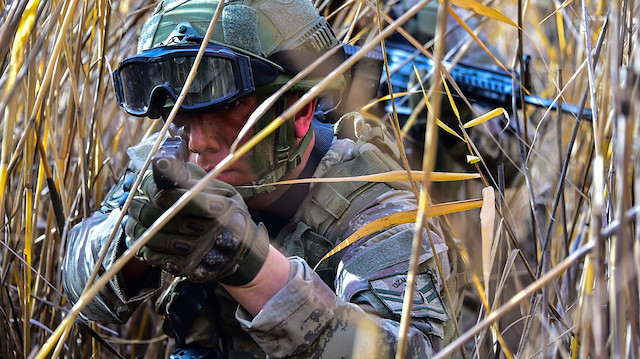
point(294, 61)
point(262, 73)
point(296, 157)
point(248, 83)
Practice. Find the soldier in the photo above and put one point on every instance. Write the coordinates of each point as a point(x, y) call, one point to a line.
point(243, 254)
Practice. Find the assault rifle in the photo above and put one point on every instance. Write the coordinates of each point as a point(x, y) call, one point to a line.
point(482, 85)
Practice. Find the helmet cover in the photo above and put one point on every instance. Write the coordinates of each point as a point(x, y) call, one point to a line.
point(290, 33)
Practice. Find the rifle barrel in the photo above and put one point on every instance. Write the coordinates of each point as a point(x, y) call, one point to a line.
point(567, 108)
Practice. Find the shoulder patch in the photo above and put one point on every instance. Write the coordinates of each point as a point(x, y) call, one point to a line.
point(426, 304)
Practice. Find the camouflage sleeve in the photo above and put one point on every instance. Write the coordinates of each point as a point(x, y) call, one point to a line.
point(85, 241)
point(84, 244)
point(308, 319)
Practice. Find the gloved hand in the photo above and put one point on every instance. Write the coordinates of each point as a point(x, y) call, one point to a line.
point(213, 238)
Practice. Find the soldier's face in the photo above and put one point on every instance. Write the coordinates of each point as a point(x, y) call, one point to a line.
point(210, 136)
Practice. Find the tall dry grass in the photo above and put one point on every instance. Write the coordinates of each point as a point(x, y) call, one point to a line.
point(556, 277)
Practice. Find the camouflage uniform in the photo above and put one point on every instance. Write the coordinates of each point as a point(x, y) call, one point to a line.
point(323, 314)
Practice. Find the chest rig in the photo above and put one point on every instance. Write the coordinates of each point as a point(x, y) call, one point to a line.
point(321, 222)
point(322, 219)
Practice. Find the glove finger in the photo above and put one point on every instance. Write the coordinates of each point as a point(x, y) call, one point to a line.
point(133, 229)
point(187, 225)
point(162, 243)
point(217, 187)
point(210, 204)
point(196, 173)
point(146, 213)
point(171, 244)
point(175, 265)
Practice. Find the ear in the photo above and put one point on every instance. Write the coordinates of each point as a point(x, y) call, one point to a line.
point(302, 119)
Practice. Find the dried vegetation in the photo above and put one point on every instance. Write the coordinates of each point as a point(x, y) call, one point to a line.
point(554, 272)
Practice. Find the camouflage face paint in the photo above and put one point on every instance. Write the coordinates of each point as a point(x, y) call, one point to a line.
point(261, 156)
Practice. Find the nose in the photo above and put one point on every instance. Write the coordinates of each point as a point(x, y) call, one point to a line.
point(203, 136)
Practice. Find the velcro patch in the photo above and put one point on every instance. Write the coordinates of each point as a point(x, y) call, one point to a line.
point(426, 303)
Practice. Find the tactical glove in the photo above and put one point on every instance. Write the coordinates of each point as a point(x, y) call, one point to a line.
point(212, 238)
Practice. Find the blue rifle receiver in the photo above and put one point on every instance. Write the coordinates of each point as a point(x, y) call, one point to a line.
point(480, 85)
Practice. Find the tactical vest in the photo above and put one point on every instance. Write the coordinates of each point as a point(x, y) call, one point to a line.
point(319, 224)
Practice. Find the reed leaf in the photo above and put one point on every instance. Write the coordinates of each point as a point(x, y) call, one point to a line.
point(483, 10)
point(473, 159)
point(486, 117)
point(385, 98)
point(402, 218)
point(421, 106)
point(476, 38)
point(391, 176)
point(452, 102)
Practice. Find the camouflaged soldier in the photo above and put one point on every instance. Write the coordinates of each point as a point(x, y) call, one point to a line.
point(242, 258)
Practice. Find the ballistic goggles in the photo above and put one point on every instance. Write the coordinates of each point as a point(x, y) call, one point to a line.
point(149, 82)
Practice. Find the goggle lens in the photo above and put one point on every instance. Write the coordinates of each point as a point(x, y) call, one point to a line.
point(215, 81)
point(145, 82)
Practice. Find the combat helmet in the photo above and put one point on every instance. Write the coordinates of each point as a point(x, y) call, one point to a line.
point(287, 34)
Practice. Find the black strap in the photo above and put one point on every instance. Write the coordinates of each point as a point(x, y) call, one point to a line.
point(294, 61)
point(279, 214)
point(186, 307)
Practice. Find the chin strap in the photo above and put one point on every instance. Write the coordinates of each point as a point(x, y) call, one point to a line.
point(286, 157)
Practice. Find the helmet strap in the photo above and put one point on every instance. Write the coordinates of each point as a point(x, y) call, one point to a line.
point(287, 157)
